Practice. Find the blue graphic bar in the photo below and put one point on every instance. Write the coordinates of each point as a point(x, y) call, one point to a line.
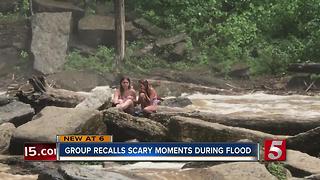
point(158, 151)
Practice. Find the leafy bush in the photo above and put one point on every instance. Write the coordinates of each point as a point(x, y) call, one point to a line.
point(101, 62)
point(277, 170)
point(267, 34)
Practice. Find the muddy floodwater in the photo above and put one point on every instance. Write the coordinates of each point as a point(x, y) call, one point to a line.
point(258, 104)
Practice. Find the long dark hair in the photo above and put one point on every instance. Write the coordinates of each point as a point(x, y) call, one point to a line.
point(121, 88)
point(146, 85)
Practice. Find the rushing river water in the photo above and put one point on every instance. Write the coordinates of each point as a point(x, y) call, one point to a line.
point(258, 104)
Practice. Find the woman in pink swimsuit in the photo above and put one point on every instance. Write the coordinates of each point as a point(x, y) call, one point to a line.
point(125, 96)
point(148, 97)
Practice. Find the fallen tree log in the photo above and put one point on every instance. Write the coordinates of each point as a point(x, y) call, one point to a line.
point(305, 68)
point(39, 94)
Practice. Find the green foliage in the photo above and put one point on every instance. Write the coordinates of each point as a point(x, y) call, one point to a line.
point(277, 170)
point(101, 61)
point(24, 55)
point(143, 63)
point(23, 8)
point(266, 34)
point(9, 17)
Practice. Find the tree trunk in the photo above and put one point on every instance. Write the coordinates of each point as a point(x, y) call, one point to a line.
point(120, 32)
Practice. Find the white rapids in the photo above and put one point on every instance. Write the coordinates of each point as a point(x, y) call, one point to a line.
point(257, 104)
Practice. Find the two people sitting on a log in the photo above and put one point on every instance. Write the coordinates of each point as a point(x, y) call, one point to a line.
point(125, 97)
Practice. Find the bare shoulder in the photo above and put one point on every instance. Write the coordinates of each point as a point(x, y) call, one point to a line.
point(117, 91)
point(132, 90)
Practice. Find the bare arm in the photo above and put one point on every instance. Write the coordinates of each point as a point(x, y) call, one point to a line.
point(153, 94)
point(115, 98)
point(133, 95)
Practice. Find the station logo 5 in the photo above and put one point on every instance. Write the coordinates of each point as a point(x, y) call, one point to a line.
point(274, 150)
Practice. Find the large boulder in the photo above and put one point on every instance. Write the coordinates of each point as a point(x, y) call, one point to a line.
point(15, 33)
point(50, 40)
point(149, 27)
point(9, 59)
point(123, 127)
point(242, 170)
point(239, 70)
point(236, 170)
point(6, 132)
point(301, 164)
point(73, 171)
point(60, 6)
point(179, 51)
point(97, 30)
point(6, 173)
point(161, 42)
point(191, 129)
point(16, 113)
point(53, 121)
point(4, 99)
point(305, 142)
point(99, 97)
point(76, 80)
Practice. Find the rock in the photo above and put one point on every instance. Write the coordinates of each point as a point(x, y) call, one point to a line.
point(97, 30)
point(237, 170)
point(176, 102)
point(46, 170)
point(15, 33)
point(301, 164)
point(99, 97)
point(52, 121)
point(188, 174)
point(16, 113)
point(313, 177)
point(76, 80)
point(202, 164)
point(149, 27)
point(76, 45)
point(5, 174)
point(9, 59)
point(5, 100)
point(301, 82)
point(124, 127)
point(239, 70)
point(242, 170)
point(178, 51)
point(40, 6)
point(73, 171)
point(163, 170)
point(186, 129)
point(50, 40)
point(8, 6)
point(305, 142)
point(6, 132)
point(165, 113)
point(171, 40)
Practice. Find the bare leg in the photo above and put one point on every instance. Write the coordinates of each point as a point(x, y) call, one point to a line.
point(127, 106)
point(150, 109)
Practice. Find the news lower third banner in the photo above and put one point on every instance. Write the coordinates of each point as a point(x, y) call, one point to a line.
point(101, 148)
point(102, 151)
